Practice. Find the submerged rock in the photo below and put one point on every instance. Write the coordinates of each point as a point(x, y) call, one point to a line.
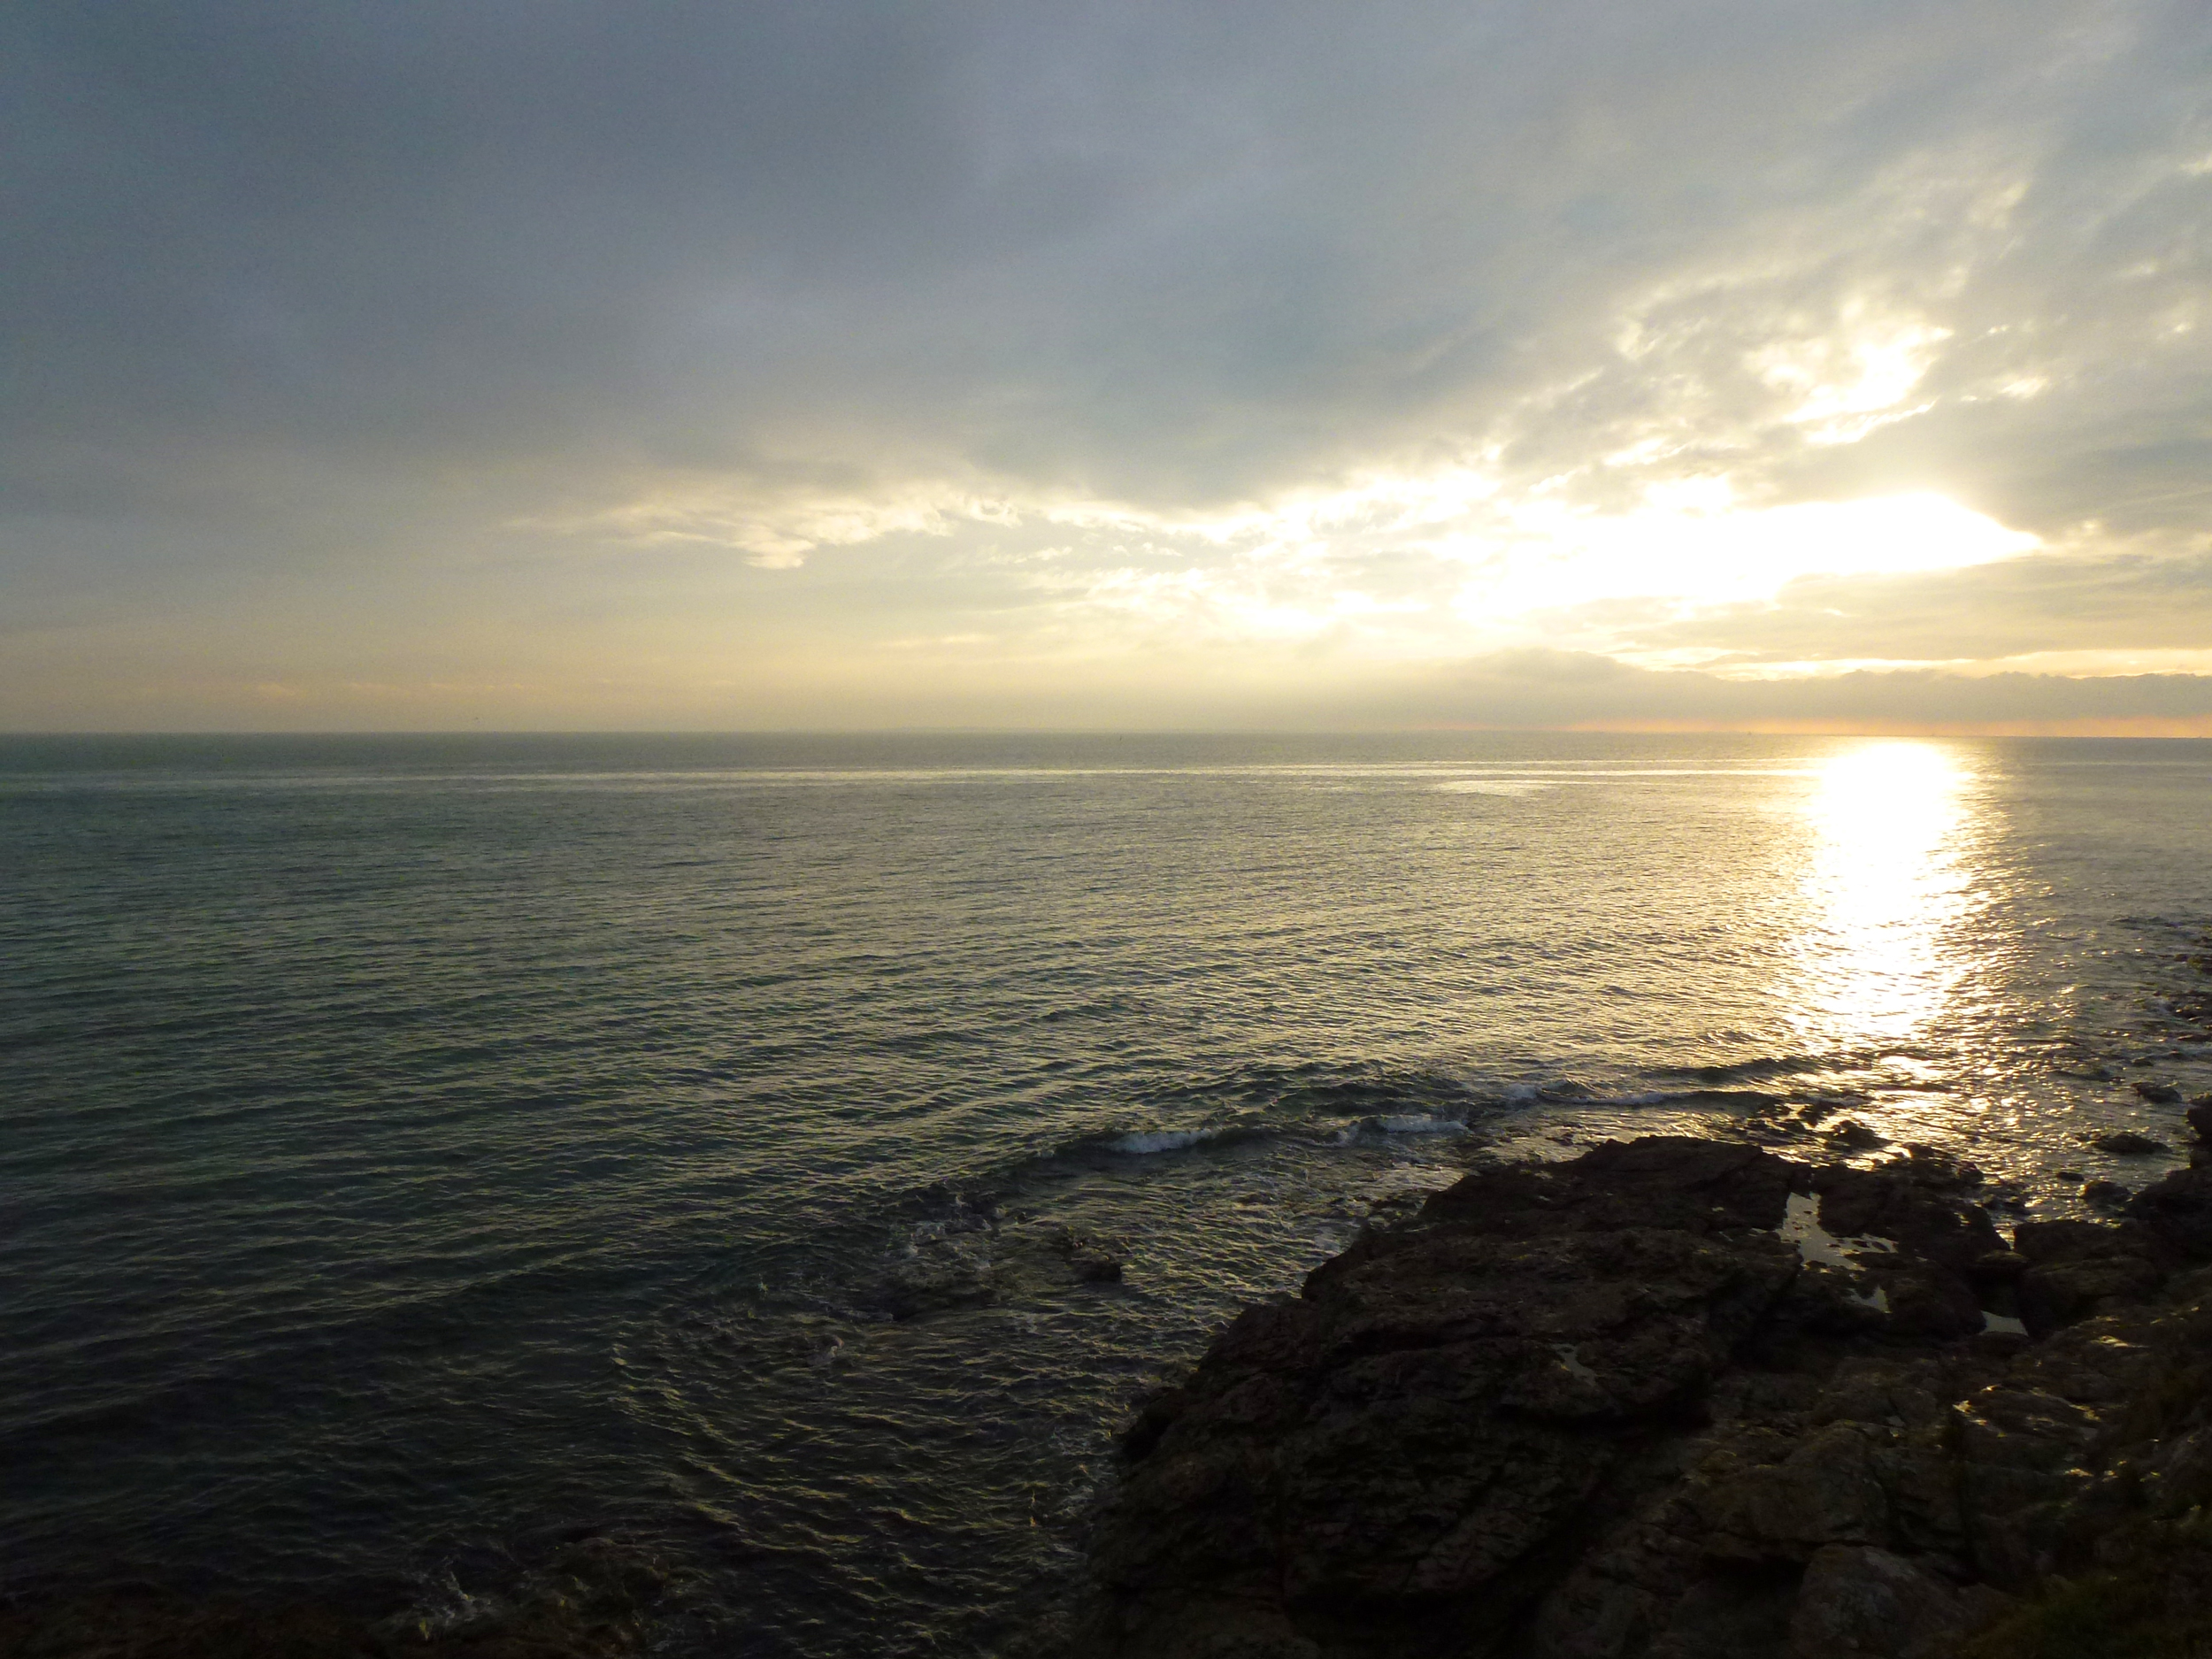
point(2128, 1143)
point(993, 1260)
point(1673, 1399)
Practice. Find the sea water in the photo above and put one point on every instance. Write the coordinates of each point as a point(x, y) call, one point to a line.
point(419, 1148)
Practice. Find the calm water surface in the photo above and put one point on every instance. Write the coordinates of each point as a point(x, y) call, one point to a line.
point(420, 1148)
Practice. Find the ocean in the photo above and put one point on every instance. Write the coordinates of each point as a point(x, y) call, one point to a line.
point(422, 1150)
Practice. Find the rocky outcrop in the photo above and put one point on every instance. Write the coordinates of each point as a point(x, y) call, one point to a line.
point(1676, 1399)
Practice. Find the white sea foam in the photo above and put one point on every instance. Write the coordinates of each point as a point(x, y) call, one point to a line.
point(1400, 1123)
point(1143, 1142)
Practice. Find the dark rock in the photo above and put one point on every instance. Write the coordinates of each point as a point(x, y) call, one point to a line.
point(1861, 1603)
point(2041, 1243)
point(1599, 1409)
point(2200, 1116)
point(1849, 1132)
point(1442, 1401)
point(1096, 1267)
point(1890, 1203)
point(2107, 1194)
point(2062, 1292)
point(2079, 1266)
point(2177, 1211)
point(2159, 1094)
point(1659, 1180)
point(1927, 1166)
point(1447, 1401)
point(2128, 1143)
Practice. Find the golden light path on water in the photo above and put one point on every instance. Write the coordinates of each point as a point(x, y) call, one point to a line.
point(1890, 874)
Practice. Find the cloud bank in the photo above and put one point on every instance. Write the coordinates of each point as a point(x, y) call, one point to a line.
point(558, 362)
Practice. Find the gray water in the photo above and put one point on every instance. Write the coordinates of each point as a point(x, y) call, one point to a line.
point(417, 1149)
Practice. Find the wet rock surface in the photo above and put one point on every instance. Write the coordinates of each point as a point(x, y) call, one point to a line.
point(1680, 1398)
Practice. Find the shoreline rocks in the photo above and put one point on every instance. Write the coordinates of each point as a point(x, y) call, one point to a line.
point(1680, 1398)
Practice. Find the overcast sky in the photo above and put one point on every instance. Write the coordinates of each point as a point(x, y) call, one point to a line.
point(412, 363)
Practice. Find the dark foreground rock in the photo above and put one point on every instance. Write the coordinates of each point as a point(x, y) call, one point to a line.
point(1679, 1399)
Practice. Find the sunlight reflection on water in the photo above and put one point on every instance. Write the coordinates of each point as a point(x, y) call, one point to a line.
point(1891, 874)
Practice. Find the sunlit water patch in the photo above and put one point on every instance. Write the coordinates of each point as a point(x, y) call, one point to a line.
point(1890, 879)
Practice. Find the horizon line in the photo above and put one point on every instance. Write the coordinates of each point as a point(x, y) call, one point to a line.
point(2143, 728)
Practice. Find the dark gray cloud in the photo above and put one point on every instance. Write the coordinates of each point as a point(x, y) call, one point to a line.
point(337, 300)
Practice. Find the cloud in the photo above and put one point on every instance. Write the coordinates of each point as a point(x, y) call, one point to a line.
point(2049, 604)
point(1328, 331)
point(1549, 688)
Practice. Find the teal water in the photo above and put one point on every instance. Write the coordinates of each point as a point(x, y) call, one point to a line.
point(421, 1146)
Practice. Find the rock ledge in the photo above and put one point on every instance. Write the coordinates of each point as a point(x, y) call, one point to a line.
point(1679, 1398)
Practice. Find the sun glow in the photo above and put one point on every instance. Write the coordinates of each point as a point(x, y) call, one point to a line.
point(1527, 557)
point(1699, 551)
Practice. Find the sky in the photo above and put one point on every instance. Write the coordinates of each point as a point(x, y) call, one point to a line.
point(413, 365)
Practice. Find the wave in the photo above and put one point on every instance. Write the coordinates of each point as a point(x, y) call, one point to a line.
point(1341, 1103)
point(1569, 1092)
point(1146, 1142)
point(1767, 1065)
point(1322, 1088)
point(1577, 1095)
point(1401, 1124)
